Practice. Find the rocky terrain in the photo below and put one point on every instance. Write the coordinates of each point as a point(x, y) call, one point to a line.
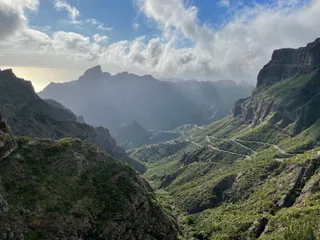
point(29, 115)
point(112, 101)
point(69, 189)
point(287, 93)
point(7, 142)
point(254, 174)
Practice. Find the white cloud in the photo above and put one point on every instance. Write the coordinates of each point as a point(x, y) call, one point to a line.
point(32, 39)
point(238, 49)
point(73, 12)
point(100, 39)
point(42, 28)
point(171, 15)
point(224, 3)
point(12, 15)
point(99, 25)
point(61, 43)
point(136, 25)
point(102, 27)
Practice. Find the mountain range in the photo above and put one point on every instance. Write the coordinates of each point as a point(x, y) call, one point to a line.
point(112, 101)
point(29, 115)
point(254, 174)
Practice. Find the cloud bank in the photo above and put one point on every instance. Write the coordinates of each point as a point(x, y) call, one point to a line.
point(12, 15)
point(186, 47)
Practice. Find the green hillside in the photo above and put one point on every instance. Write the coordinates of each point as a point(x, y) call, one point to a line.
point(69, 189)
point(256, 173)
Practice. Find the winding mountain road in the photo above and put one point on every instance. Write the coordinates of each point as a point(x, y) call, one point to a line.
point(268, 144)
point(220, 150)
point(239, 142)
point(196, 144)
point(245, 147)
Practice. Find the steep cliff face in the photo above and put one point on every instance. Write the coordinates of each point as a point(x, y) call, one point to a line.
point(288, 90)
point(288, 63)
point(7, 142)
point(29, 115)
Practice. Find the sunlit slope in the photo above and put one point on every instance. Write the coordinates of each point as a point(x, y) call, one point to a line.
point(254, 174)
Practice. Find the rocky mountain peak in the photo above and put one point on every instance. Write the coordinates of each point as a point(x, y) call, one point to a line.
point(96, 70)
point(288, 62)
point(94, 73)
point(11, 85)
point(8, 75)
point(287, 93)
point(8, 72)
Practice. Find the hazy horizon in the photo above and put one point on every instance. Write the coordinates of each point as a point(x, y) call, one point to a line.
point(57, 40)
point(42, 77)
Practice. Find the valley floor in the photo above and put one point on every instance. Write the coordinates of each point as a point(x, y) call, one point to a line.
point(226, 181)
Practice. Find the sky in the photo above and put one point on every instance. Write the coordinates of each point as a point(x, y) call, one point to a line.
point(57, 40)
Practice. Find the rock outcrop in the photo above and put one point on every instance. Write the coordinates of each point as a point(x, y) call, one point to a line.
point(288, 90)
point(7, 142)
point(94, 74)
point(287, 63)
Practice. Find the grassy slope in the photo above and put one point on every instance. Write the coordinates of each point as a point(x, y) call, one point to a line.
point(270, 188)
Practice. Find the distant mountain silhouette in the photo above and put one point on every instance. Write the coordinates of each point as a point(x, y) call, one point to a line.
point(29, 115)
point(111, 101)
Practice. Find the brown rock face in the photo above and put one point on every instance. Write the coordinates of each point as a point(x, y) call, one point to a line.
point(286, 63)
point(287, 92)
